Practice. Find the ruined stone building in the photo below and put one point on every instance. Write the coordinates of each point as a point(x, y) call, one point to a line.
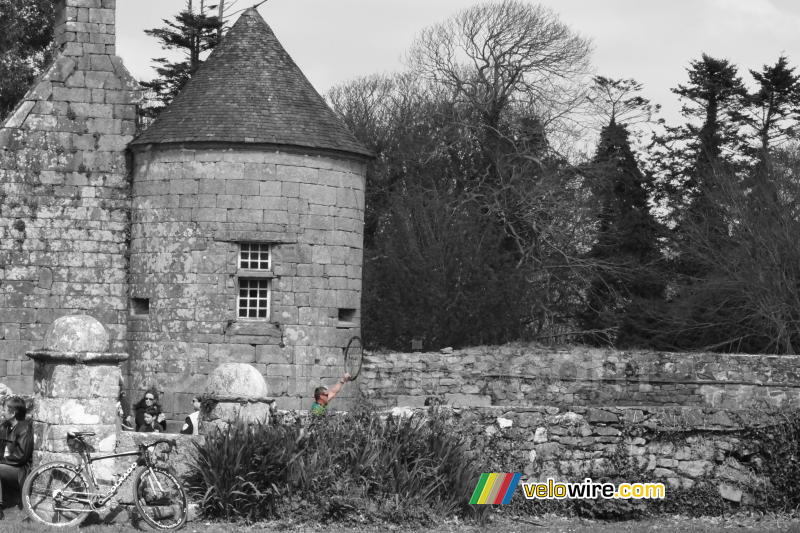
point(229, 231)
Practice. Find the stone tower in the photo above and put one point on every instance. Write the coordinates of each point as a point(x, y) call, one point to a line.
point(247, 228)
point(64, 192)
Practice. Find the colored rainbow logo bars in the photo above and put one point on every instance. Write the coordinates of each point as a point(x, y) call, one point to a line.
point(495, 488)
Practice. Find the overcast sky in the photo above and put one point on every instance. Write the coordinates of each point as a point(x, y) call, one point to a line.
point(333, 41)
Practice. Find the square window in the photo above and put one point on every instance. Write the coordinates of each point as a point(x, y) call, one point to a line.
point(255, 256)
point(253, 301)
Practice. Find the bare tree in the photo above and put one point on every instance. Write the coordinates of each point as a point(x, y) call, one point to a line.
point(492, 56)
point(466, 189)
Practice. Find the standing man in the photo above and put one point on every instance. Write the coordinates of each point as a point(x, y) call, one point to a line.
point(322, 396)
point(16, 449)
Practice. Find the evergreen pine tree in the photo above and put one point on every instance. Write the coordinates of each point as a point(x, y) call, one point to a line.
point(714, 95)
point(626, 248)
point(771, 114)
point(192, 32)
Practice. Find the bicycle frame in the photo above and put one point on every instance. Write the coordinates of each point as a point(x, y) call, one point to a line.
point(97, 499)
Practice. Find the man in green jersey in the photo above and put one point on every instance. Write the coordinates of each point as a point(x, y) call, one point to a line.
point(322, 396)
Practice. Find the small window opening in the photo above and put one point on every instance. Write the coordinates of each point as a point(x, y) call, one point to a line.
point(346, 317)
point(140, 306)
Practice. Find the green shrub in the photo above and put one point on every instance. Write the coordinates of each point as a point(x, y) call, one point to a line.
point(357, 466)
point(236, 473)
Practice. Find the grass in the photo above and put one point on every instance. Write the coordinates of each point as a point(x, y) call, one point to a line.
point(674, 524)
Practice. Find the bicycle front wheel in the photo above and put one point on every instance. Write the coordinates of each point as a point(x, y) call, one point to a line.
point(56, 494)
point(160, 498)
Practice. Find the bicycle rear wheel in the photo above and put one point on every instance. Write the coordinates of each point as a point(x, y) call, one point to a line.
point(353, 355)
point(56, 494)
point(160, 498)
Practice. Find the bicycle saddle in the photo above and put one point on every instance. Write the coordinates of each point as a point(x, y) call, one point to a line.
point(79, 434)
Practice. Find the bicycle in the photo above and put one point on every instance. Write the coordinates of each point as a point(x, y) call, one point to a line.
point(62, 494)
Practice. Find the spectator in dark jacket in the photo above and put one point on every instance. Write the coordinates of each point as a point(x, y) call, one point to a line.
point(16, 450)
point(150, 400)
point(150, 425)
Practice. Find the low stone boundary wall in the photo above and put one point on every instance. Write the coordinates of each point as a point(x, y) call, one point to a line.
point(527, 375)
point(674, 446)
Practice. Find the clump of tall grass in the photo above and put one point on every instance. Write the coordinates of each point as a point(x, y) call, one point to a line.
point(358, 466)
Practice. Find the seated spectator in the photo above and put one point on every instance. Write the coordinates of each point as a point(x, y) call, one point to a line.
point(191, 425)
point(124, 409)
point(16, 450)
point(149, 400)
point(150, 425)
point(124, 413)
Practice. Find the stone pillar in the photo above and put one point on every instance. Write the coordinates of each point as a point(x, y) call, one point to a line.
point(76, 388)
point(235, 391)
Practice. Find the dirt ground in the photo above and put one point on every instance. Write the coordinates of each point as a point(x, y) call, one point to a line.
point(16, 522)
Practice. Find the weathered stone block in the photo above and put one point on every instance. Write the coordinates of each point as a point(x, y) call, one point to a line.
point(229, 201)
point(100, 62)
point(694, 469)
point(71, 94)
point(54, 437)
point(233, 353)
point(468, 400)
point(74, 411)
point(273, 354)
point(76, 381)
point(602, 416)
point(101, 16)
point(729, 492)
point(281, 370)
point(78, 333)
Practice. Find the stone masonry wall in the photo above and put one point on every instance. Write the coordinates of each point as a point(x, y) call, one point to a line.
point(64, 194)
point(569, 413)
point(191, 209)
point(679, 447)
point(526, 375)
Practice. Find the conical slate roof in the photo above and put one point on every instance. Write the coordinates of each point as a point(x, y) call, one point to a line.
point(249, 90)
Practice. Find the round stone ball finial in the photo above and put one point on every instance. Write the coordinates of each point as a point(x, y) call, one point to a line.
point(236, 380)
point(76, 333)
